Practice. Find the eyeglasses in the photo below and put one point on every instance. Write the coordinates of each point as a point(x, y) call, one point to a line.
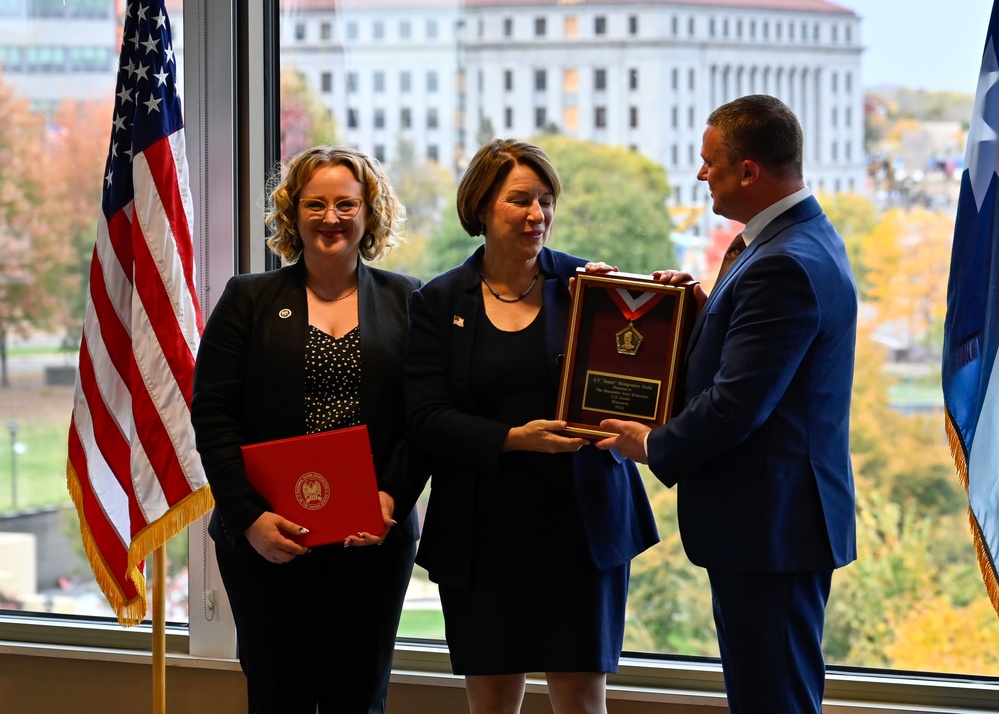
point(344, 208)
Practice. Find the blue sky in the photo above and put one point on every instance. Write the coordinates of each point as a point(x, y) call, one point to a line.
point(923, 44)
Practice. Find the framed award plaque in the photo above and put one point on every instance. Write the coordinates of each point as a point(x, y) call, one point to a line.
point(624, 351)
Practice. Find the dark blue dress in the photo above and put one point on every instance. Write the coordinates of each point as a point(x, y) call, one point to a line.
point(535, 602)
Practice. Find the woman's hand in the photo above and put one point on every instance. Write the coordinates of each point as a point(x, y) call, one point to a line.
point(271, 536)
point(364, 538)
point(595, 269)
point(599, 267)
point(541, 435)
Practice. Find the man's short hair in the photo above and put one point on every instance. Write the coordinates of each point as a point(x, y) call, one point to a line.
point(761, 128)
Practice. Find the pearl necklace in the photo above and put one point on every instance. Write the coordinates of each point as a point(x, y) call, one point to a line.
point(320, 298)
point(513, 299)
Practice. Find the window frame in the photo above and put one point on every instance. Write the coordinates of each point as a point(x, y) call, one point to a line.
point(599, 79)
point(227, 112)
point(600, 116)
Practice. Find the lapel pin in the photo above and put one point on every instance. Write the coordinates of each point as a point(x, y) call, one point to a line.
point(459, 321)
point(284, 314)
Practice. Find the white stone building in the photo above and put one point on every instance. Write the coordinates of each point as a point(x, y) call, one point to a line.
point(640, 74)
point(444, 75)
point(70, 53)
point(387, 69)
point(72, 49)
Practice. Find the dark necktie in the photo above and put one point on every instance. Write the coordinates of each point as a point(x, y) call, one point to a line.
point(734, 249)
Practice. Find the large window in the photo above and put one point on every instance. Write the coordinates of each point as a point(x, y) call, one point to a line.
point(913, 605)
point(57, 105)
point(909, 500)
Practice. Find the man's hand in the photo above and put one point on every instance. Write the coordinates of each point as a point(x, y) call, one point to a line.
point(675, 277)
point(630, 439)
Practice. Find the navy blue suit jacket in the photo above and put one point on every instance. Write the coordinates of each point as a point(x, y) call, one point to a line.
point(249, 386)
point(760, 451)
point(446, 421)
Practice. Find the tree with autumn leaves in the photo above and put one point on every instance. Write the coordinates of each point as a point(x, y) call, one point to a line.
point(51, 167)
point(914, 599)
point(427, 191)
point(613, 207)
point(304, 122)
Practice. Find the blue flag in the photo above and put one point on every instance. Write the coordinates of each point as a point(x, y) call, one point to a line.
point(971, 329)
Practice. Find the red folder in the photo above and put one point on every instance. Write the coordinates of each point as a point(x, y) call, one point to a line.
point(325, 482)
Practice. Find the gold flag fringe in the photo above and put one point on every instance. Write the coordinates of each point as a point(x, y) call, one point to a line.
point(131, 611)
point(985, 562)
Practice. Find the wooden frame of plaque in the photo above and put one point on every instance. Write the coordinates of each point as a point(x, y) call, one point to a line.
point(624, 351)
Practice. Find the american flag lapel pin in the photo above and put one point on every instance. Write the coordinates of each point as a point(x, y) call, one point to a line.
point(459, 321)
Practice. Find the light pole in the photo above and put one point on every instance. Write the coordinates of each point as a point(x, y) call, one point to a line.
point(12, 428)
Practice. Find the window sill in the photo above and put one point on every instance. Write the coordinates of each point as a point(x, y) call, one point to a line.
point(117, 656)
point(688, 681)
point(698, 681)
point(86, 633)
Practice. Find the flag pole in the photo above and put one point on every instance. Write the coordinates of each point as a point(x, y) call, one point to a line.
point(159, 631)
point(133, 471)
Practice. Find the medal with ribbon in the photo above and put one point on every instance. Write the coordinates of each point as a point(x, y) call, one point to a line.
point(630, 339)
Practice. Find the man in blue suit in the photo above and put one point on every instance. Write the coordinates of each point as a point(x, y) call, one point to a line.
point(760, 451)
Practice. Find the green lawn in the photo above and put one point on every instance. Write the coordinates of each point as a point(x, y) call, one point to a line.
point(424, 624)
point(43, 417)
point(46, 350)
point(40, 469)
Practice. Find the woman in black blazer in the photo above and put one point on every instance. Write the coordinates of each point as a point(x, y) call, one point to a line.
point(316, 345)
point(529, 534)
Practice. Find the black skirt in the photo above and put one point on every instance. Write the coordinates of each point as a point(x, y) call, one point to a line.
point(535, 602)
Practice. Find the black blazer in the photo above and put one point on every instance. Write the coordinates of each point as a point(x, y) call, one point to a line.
point(249, 386)
point(447, 423)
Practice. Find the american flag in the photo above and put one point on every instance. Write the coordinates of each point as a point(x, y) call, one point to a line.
point(133, 472)
point(970, 371)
